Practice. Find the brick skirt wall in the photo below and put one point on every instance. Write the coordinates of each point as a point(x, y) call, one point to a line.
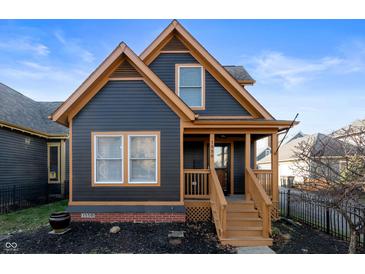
point(129, 217)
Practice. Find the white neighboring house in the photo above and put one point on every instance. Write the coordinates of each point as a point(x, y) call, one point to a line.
point(288, 162)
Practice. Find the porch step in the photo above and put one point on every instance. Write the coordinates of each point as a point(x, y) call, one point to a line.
point(244, 221)
point(239, 231)
point(246, 241)
point(253, 213)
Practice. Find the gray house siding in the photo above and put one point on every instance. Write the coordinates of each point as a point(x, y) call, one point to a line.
point(126, 106)
point(21, 163)
point(218, 102)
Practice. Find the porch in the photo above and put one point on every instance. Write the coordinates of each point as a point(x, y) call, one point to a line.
point(220, 174)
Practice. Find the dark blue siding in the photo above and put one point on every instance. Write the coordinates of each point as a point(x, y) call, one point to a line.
point(217, 100)
point(239, 167)
point(193, 155)
point(21, 163)
point(126, 106)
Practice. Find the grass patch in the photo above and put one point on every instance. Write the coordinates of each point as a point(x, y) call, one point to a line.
point(30, 218)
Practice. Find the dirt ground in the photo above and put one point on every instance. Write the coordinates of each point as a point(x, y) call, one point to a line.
point(132, 238)
point(295, 238)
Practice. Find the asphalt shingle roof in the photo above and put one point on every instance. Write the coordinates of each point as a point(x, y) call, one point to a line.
point(19, 110)
point(239, 73)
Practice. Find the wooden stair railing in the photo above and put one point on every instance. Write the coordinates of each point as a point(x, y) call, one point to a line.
point(218, 203)
point(264, 176)
point(261, 200)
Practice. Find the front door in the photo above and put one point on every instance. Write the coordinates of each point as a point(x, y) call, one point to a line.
point(222, 165)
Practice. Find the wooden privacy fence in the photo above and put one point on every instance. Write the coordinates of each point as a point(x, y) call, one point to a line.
point(196, 183)
point(314, 212)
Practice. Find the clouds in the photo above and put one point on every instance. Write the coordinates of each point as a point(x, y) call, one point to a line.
point(25, 45)
point(292, 71)
point(73, 46)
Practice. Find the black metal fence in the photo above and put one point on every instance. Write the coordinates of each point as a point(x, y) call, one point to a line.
point(314, 212)
point(17, 197)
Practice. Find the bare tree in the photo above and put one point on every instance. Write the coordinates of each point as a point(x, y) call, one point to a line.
point(334, 170)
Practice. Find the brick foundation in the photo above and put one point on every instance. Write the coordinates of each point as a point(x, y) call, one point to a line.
point(129, 217)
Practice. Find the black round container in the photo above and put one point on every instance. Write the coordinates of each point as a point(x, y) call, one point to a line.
point(59, 221)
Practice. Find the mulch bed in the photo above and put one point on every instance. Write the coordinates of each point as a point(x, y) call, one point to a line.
point(295, 238)
point(132, 238)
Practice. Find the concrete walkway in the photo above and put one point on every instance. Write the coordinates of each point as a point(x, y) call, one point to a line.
point(255, 250)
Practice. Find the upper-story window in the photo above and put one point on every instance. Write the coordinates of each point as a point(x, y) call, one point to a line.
point(190, 85)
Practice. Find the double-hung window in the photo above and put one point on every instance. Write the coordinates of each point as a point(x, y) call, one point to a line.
point(142, 159)
point(190, 85)
point(126, 158)
point(108, 159)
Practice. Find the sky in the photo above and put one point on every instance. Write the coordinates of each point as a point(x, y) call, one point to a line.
point(312, 67)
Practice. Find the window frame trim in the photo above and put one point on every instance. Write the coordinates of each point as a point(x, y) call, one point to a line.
point(95, 159)
point(125, 158)
point(156, 158)
point(177, 83)
point(58, 145)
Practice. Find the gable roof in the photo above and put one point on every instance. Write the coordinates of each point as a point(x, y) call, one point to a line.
point(100, 76)
point(210, 63)
point(19, 111)
point(326, 144)
point(356, 126)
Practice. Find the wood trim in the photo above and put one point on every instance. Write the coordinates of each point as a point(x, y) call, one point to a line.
point(228, 130)
point(182, 178)
point(275, 168)
point(210, 63)
point(146, 203)
point(247, 162)
point(177, 81)
point(174, 51)
point(70, 162)
point(101, 76)
point(254, 154)
point(58, 145)
point(223, 117)
point(125, 161)
point(63, 166)
point(126, 79)
point(232, 168)
point(32, 132)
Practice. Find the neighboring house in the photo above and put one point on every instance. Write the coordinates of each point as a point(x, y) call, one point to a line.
point(32, 148)
point(169, 135)
point(289, 163)
point(348, 132)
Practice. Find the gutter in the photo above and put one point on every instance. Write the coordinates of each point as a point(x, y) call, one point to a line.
point(33, 132)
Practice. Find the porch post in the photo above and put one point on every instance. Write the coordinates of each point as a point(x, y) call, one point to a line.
point(211, 151)
point(275, 171)
point(247, 162)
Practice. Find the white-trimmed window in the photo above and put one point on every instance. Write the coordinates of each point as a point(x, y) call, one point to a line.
point(142, 158)
point(108, 166)
point(190, 85)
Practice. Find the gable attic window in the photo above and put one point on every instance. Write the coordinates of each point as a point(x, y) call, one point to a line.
point(190, 85)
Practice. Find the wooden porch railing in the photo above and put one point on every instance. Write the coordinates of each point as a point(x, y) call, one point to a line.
point(196, 183)
point(265, 179)
point(261, 199)
point(218, 203)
